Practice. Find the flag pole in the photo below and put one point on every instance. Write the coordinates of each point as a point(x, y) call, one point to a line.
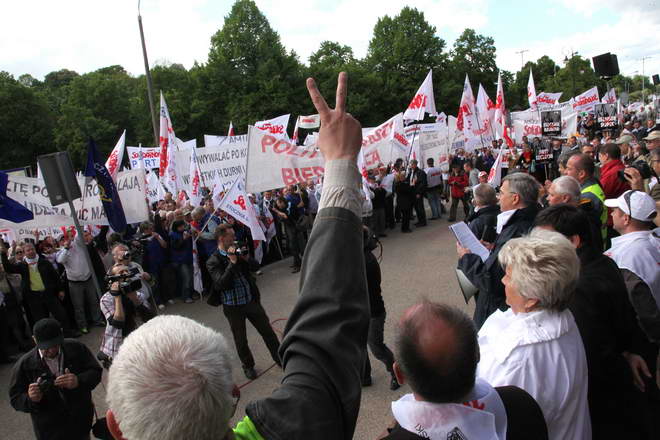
point(150, 92)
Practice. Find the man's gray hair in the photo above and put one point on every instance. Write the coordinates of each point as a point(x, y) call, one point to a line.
point(543, 266)
point(485, 195)
point(172, 380)
point(525, 186)
point(569, 186)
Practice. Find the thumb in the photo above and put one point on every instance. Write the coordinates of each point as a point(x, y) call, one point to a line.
point(645, 369)
point(66, 371)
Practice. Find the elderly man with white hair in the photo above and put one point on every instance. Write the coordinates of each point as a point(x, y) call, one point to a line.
point(536, 344)
point(159, 391)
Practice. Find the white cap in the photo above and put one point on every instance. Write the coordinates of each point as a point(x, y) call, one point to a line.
point(641, 204)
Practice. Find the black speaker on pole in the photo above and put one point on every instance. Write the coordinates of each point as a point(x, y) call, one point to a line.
point(59, 177)
point(606, 65)
point(656, 79)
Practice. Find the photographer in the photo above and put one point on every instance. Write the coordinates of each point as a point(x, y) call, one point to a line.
point(53, 383)
point(634, 176)
point(121, 306)
point(236, 289)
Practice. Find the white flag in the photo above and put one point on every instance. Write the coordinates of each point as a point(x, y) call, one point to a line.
point(231, 129)
point(610, 97)
point(276, 127)
point(486, 114)
point(237, 204)
point(154, 188)
point(466, 120)
point(495, 174)
point(309, 122)
point(422, 102)
point(586, 101)
point(167, 169)
point(441, 118)
point(116, 156)
point(194, 186)
point(198, 286)
point(531, 91)
point(545, 99)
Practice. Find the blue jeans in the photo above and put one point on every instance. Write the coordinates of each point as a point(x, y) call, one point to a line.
point(184, 279)
point(433, 195)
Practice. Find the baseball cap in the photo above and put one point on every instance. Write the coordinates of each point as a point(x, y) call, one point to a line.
point(654, 136)
point(482, 173)
point(625, 139)
point(636, 204)
point(48, 333)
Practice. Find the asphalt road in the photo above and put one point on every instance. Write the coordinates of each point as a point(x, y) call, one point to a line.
point(414, 266)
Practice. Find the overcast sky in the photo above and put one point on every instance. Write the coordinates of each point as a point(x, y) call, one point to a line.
point(84, 35)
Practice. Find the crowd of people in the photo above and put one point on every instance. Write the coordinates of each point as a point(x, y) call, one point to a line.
point(563, 343)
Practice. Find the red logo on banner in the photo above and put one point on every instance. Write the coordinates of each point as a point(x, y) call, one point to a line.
point(418, 101)
point(240, 201)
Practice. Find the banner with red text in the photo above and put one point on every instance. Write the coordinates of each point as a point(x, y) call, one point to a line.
point(385, 143)
point(585, 102)
point(150, 157)
point(528, 123)
point(275, 127)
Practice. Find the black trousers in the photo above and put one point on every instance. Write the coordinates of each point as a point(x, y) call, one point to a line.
point(255, 313)
point(42, 305)
point(419, 209)
point(377, 346)
point(389, 211)
point(406, 215)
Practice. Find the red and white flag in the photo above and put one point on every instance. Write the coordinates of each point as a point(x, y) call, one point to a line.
point(531, 91)
point(116, 156)
point(485, 110)
point(167, 169)
point(194, 186)
point(309, 122)
point(294, 138)
point(422, 102)
point(231, 129)
point(466, 121)
point(499, 117)
point(268, 226)
point(495, 173)
point(276, 127)
point(610, 97)
point(237, 204)
point(198, 286)
point(586, 101)
point(545, 99)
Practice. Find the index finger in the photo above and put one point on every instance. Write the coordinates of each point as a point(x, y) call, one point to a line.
point(342, 81)
point(317, 99)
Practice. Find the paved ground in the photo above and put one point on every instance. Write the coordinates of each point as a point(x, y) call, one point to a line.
point(414, 266)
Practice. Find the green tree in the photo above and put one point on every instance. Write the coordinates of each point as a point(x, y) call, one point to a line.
point(576, 77)
point(26, 123)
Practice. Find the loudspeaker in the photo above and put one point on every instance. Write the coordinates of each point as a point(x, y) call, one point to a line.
point(606, 65)
point(59, 177)
point(656, 79)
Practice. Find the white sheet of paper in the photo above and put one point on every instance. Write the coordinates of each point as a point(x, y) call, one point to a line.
point(468, 240)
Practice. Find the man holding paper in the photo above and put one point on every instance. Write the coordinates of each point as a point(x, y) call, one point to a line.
point(519, 204)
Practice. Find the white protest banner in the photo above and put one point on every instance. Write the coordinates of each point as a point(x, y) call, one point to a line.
point(237, 204)
point(113, 163)
point(150, 157)
point(545, 99)
point(432, 144)
point(186, 145)
point(167, 141)
point(485, 114)
point(32, 194)
point(586, 101)
point(455, 136)
point(211, 140)
point(422, 102)
point(309, 122)
point(385, 143)
point(194, 180)
point(274, 163)
point(275, 127)
point(154, 188)
point(528, 123)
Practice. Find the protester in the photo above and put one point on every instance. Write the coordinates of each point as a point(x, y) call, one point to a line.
point(458, 181)
point(405, 195)
point(634, 177)
point(437, 355)
point(387, 183)
point(418, 182)
point(181, 259)
point(53, 383)
point(518, 202)
point(155, 262)
point(434, 190)
point(379, 208)
point(483, 221)
point(536, 344)
point(581, 167)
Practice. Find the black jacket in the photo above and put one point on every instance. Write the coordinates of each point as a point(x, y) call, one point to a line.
point(49, 275)
point(61, 414)
point(376, 303)
point(404, 194)
point(487, 276)
point(524, 418)
point(420, 181)
point(483, 220)
point(222, 273)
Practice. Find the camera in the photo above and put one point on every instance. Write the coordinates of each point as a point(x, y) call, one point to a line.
point(127, 282)
point(641, 166)
point(46, 382)
point(239, 249)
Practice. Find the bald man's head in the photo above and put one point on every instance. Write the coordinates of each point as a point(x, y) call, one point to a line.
point(437, 352)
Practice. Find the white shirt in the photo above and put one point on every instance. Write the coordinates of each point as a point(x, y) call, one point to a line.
point(542, 353)
point(433, 177)
point(503, 219)
point(387, 183)
point(74, 261)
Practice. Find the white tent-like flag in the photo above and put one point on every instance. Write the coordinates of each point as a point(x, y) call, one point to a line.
point(466, 120)
point(194, 186)
point(495, 173)
point(485, 110)
point(237, 204)
point(531, 91)
point(198, 285)
point(116, 156)
point(499, 117)
point(545, 99)
point(610, 97)
point(422, 102)
point(167, 141)
point(230, 132)
point(276, 127)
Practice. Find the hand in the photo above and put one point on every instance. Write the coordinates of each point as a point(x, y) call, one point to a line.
point(634, 178)
point(133, 296)
point(340, 136)
point(638, 367)
point(460, 250)
point(34, 393)
point(145, 276)
point(231, 254)
point(488, 245)
point(60, 295)
point(68, 380)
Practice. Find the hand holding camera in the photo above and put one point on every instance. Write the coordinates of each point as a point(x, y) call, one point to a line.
point(34, 392)
point(68, 380)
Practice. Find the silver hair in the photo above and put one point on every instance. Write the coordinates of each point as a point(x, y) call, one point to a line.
point(569, 186)
point(172, 380)
point(485, 195)
point(544, 266)
point(525, 186)
point(199, 211)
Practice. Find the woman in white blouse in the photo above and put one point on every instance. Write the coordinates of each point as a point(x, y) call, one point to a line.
point(536, 344)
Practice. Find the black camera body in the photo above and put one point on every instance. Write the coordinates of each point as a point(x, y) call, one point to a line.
point(127, 282)
point(641, 166)
point(239, 249)
point(46, 382)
